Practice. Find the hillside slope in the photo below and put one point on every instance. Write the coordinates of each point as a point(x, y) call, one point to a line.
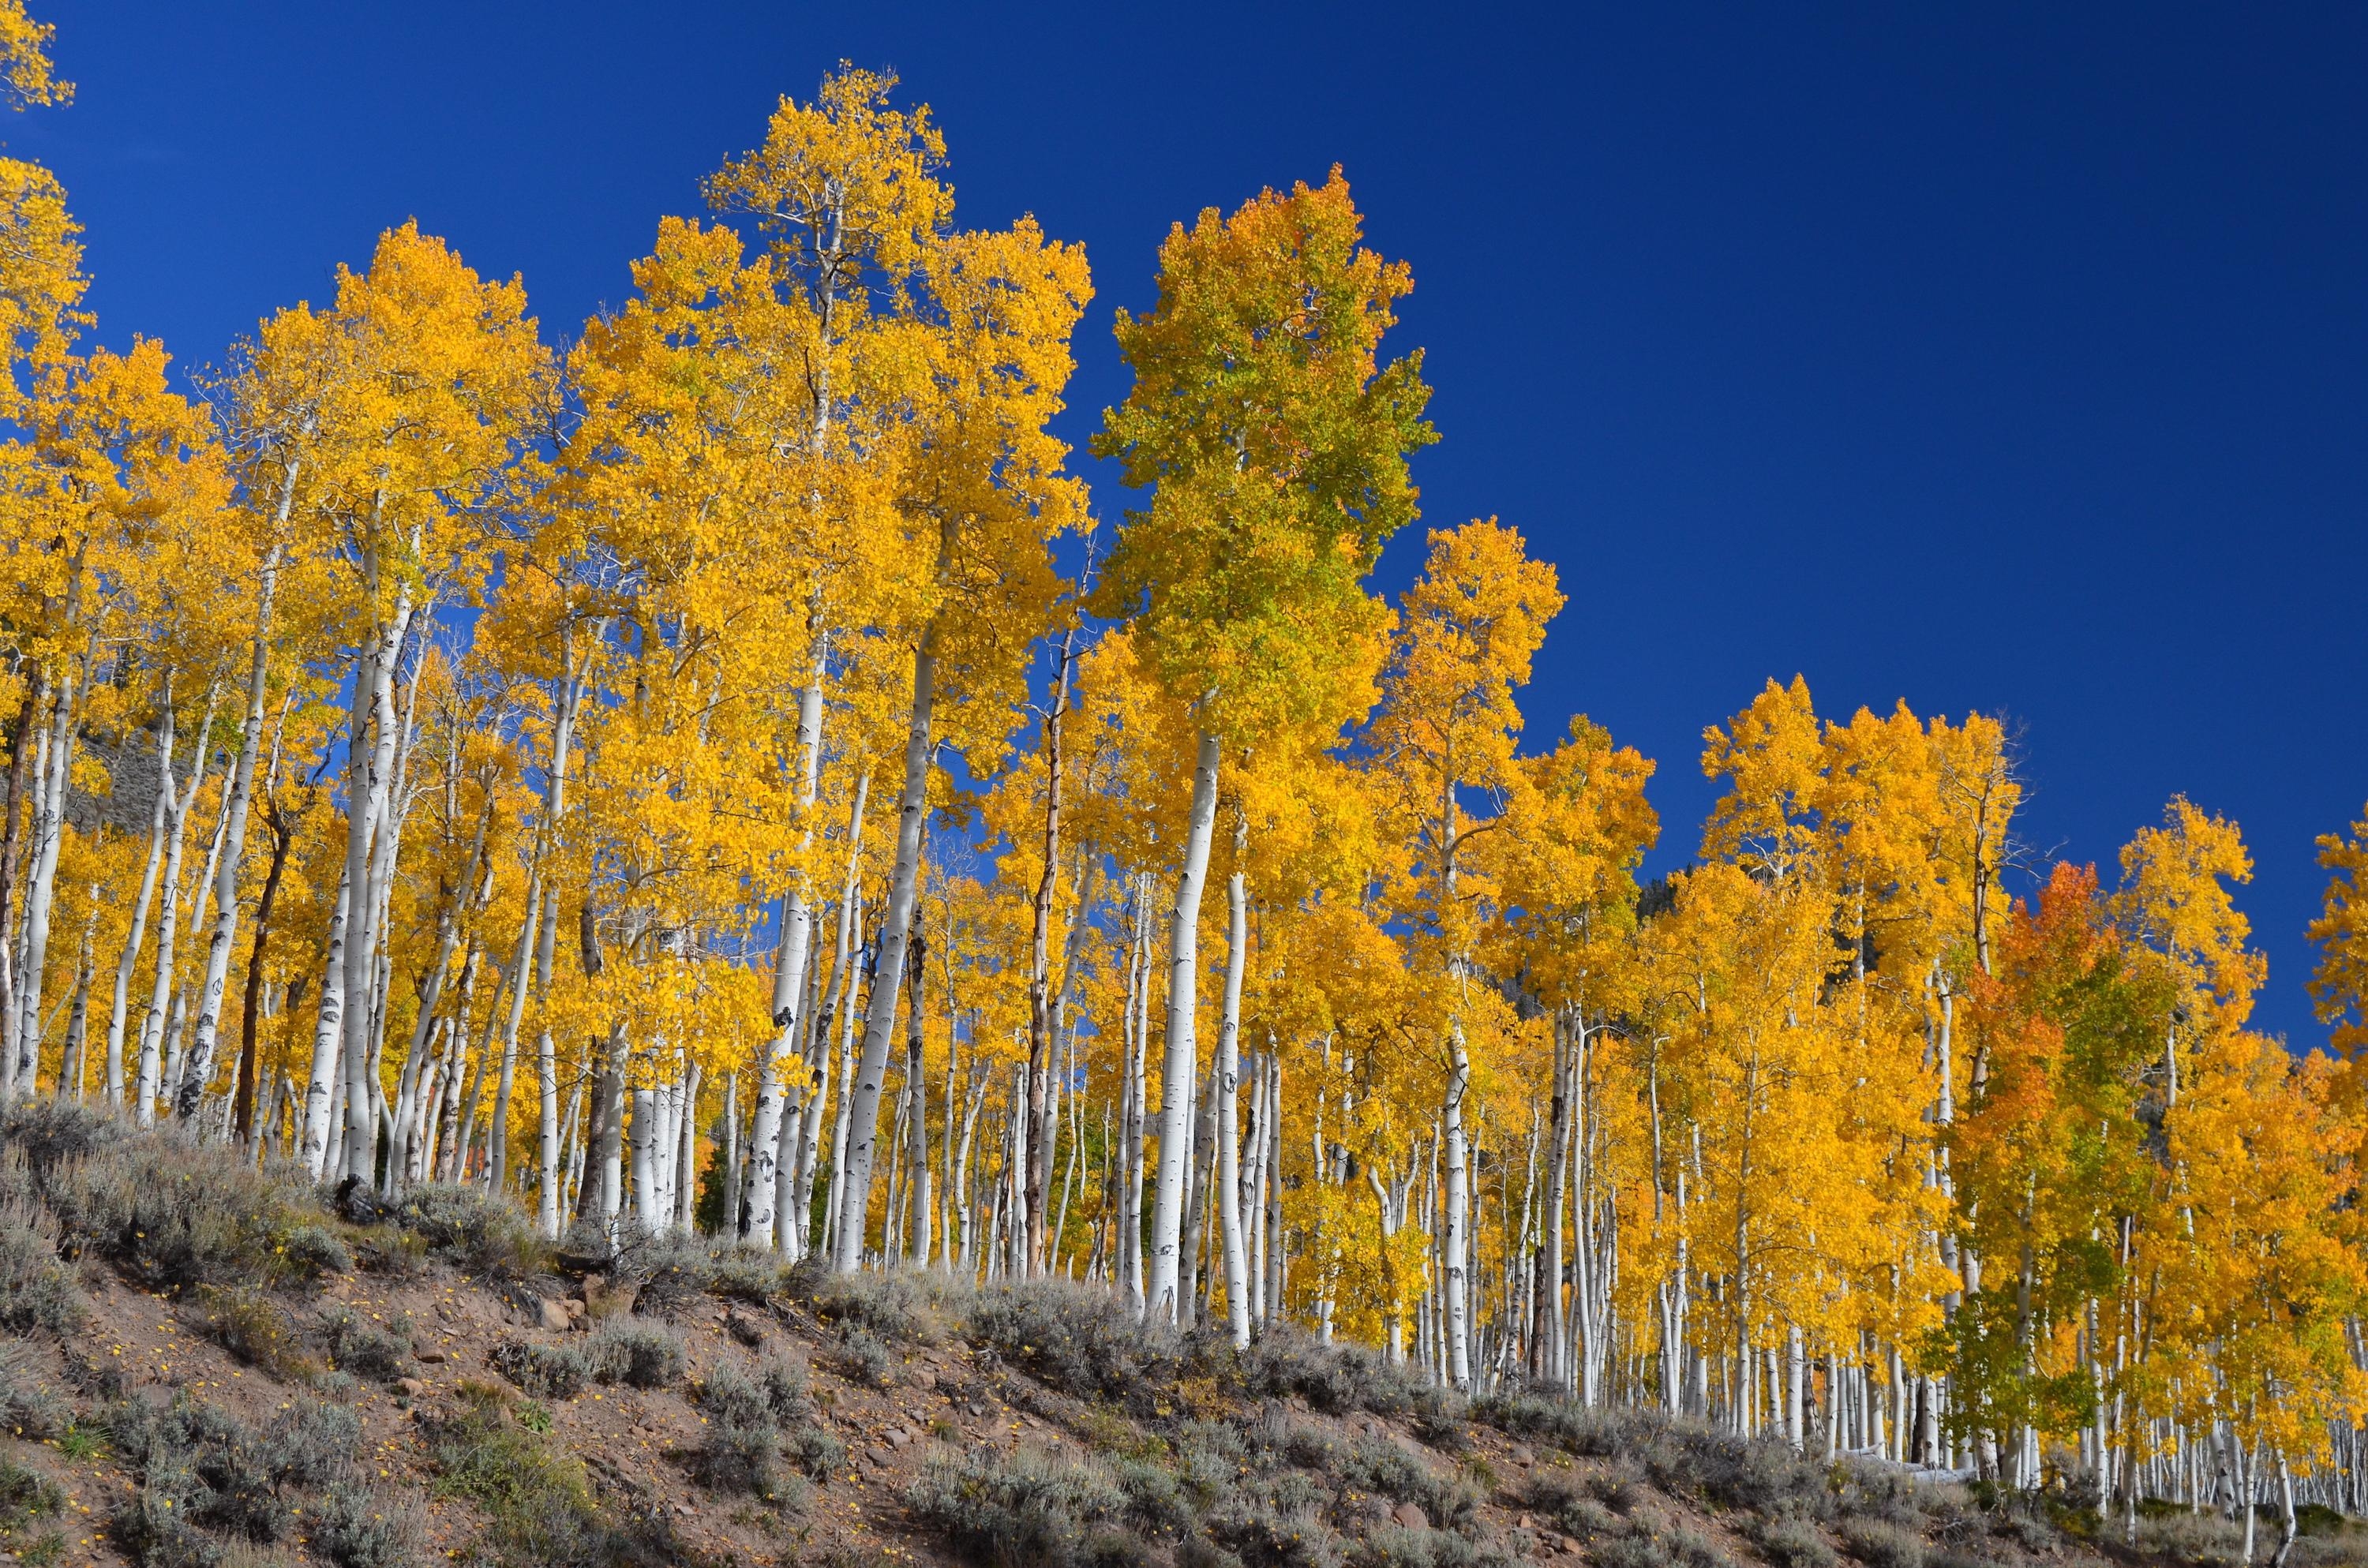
point(208, 1366)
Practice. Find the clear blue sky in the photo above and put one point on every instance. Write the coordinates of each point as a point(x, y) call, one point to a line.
point(2011, 358)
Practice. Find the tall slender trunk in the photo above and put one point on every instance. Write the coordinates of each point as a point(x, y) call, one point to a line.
point(809, 1138)
point(765, 1138)
point(864, 968)
point(21, 748)
point(78, 1016)
point(48, 835)
point(1457, 1244)
point(450, 922)
point(368, 777)
point(1555, 1352)
point(1228, 1097)
point(177, 1058)
point(152, 1029)
point(1040, 1001)
point(159, 821)
point(917, 1078)
point(198, 1070)
point(282, 837)
point(546, 1049)
point(888, 976)
point(539, 900)
point(320, 1087)
point(1178, 1071)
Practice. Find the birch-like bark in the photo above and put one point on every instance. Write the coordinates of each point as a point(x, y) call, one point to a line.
point(1458, 1243)
point(810, 1142)
point(765, 1140)
point(888, 976)
point(1177, 1072)
point(250, 1011)
point(198, 1070)
point(159, 821)
point(152, 1029)
point(370, 772)
point(48, 835)
point(497, 1131)
point(917, 1075)
point(449, 921)
point(1040, 1001)
point(21, 749)
point(320, 1087)
point(546, 1048)
point(1229, 1081)
point(175, 1059)
point(1131, 1137)
point(864, 966)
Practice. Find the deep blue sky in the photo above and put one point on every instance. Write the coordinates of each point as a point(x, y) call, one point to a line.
point(2013, 360)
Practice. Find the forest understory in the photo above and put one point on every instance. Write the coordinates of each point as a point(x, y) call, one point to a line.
point(206, 1365)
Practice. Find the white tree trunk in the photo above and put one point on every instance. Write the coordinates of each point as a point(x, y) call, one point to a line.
point(765, 1140)
point(321, 1088)
point(158, 822)
point(888, 973)
point(152, 1029)
point(49, 835)
point(1229, 1080)
point(546, 1049)
point(369, 771)
point(201, 1065)
point(1457, 1248)
point(1178, 1071)
point(841, 984)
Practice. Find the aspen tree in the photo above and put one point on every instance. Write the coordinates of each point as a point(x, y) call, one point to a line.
point(1275, 448)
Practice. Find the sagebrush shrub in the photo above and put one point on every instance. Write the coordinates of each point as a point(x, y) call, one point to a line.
point(31, 1405)
point(1021, 1507)
point(173, 1213)
point(905, 1306)
point(37, 1289)
point(1791, 1543)
point(313, 1442)
point(360, 1527)
point(547, 1371)
point(1286, 1359)
point(365, 1349)
point(253, 1328)
point(474, 1229)
point(200, 1473)
point(1080, 1340)
point(816, 1450)
point(641, 1354)
point(865, 1357)
point(740, 1450)
point(1879, 1543)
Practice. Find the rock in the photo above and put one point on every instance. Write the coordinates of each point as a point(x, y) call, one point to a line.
point(554, 1314)
point(879, 1456)
point(1521, 1455)
point(1411, 1517)
point(411, 1388)
point(897, 1436)
point(608, 1298)
point(433, 1358)
point(1298, 1402)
